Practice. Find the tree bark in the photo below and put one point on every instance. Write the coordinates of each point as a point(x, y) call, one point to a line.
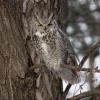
point(17, 81)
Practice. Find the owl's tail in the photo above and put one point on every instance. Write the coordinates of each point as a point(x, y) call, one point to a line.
point(69, 75)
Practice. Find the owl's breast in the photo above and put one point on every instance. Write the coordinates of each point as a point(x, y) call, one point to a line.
point(51, 55)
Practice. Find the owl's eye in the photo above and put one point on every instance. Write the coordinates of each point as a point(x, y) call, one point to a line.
point(40, 25)
point(50, 24)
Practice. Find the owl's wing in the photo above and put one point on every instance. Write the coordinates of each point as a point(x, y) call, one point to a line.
point(71, 54)
point(65, 42)
point(66, 73)
point(31, 48)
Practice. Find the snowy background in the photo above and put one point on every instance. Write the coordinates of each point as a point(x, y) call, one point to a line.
point(83, 30)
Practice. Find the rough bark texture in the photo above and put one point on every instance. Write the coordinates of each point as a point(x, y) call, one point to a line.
point(17, 81)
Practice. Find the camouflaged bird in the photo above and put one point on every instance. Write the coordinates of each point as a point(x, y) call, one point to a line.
point(48, 43)
point(51, 46)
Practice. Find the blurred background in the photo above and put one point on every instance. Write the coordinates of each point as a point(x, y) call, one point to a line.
point(83, 29)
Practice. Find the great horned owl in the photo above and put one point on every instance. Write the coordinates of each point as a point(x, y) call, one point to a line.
point(52, 46)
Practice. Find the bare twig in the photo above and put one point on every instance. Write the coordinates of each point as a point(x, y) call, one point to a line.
point(84, 95)
point(66, 90)
point(89, 69)
point(83, 69)
point(92, 49)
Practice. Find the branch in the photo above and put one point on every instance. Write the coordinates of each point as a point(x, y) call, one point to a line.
point(90, 51)
point(77, 68)
point(85, 94)
point(89, 70)
point(69, 85)
point(66, 90)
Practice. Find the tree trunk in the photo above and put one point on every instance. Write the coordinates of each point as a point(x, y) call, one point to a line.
point(17, 80)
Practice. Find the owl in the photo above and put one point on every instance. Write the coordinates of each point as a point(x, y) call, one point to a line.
point(52, 47)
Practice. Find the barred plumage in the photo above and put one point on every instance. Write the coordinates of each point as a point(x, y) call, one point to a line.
point(51, 46)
